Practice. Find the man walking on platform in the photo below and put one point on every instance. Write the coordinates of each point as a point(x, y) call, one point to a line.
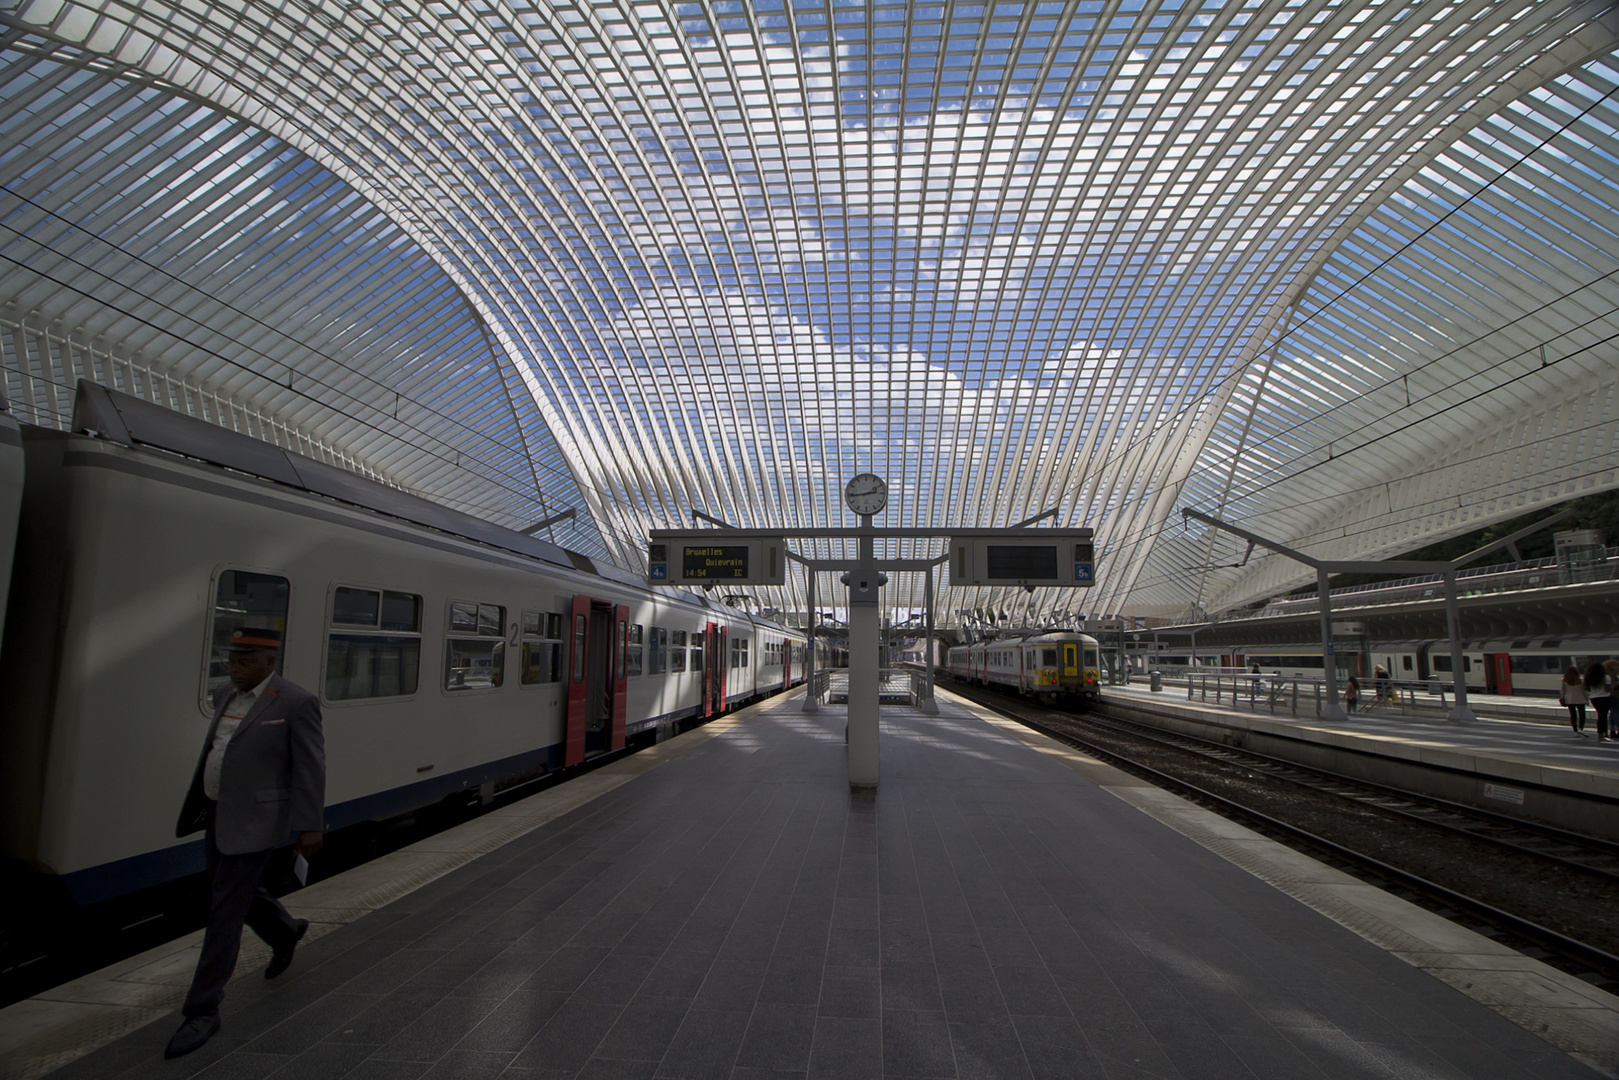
point(261, 775)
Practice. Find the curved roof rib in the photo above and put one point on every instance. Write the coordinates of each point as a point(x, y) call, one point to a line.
point(1113, 257)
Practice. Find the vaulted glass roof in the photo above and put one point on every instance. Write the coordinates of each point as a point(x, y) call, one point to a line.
point(1342, 272)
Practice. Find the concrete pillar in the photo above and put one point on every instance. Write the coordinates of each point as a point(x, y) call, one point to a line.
point(1460, 711)
point(810, 704)
point(929, 706)
point(863, 673)
point(1333, 707)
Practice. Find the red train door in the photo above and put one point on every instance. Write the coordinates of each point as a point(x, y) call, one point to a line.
point(621, 679)
point(717, 663)
point(598, 683)
point(573, 743)
point(1498, 673)
point(705, 700)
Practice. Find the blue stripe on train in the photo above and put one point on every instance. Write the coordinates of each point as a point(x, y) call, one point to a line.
point(97, 883)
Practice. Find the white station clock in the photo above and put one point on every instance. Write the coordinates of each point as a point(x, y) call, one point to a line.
point(866, 493)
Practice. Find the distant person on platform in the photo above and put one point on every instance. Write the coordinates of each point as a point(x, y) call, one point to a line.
point(261, 775)
point(1352, 694)
point(1383, 684)
point(1572, 694)
point(1596, 688)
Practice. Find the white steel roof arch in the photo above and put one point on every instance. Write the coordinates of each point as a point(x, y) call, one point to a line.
point(1011, 255)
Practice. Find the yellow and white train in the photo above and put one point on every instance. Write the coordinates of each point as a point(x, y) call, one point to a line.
point(1051, 666)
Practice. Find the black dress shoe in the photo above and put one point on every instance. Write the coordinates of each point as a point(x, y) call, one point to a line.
point(282, 959)
point(192, 1034)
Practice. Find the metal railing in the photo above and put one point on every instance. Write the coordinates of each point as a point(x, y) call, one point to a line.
point(1275, 691)
point(895, 686)
point(819, 683)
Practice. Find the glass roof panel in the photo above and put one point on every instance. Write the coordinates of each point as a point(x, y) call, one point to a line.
point(1113, 257)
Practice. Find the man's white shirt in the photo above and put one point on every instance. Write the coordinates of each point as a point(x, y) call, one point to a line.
point(240, 704)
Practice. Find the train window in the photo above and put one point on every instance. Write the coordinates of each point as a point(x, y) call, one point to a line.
point(475, 649)
point(542, 654)
point(1543, 664)
point(657, 650)
point(695, 660)
point(355, 607)
point(463, 618)
point(242, 598)
point(1048, 657)
point(579, 632)
point(633, 657)
point(739, 652)
point(1405, 661)
point(374, 646)
point(677, 650)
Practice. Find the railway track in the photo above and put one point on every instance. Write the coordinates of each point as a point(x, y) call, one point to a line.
point(1558, 846)
point(1551, 894)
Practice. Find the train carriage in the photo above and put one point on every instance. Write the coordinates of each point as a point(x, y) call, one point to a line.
point(1532, 667)
point(1052, 665)
point(451, 657)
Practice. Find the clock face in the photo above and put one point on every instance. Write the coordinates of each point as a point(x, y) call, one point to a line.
point(866, 494)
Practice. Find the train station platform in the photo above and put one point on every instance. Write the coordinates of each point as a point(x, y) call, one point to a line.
point(722, 905)
point(1509, 764)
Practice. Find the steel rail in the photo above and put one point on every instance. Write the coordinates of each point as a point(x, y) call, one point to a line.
point(1596, 844)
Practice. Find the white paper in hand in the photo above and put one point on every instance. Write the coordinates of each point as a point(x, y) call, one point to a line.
point(300, 870)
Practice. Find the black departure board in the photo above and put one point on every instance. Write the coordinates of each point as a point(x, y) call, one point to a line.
point(712, 562)
point(1021, 562)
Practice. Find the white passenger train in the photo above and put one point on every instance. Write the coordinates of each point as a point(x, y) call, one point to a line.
point(1532, 667)
point(451, 656)
point(1051, 666)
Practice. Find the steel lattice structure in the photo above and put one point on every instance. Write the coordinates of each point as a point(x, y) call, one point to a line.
point(1345, 272)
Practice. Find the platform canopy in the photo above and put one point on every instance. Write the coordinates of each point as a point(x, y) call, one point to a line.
point(1345, 273)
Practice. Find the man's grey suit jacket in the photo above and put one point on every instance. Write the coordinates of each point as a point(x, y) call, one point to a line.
point(273, 781)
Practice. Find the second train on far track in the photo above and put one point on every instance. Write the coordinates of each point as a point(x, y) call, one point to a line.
point(1051, 666)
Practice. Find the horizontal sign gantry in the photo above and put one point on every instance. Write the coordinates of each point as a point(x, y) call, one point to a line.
point(1064, 560)
point(713, 558)
point(1033, 558)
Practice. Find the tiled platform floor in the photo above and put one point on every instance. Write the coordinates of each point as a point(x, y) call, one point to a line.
point(737, 912)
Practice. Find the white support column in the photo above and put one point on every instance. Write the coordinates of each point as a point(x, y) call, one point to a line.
point(929, 706)
point(810, 704)
point(863, 673)
point(1333, 707)
point(1460, 711)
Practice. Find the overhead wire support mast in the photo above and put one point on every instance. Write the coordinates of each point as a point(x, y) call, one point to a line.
point(1333, 710)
